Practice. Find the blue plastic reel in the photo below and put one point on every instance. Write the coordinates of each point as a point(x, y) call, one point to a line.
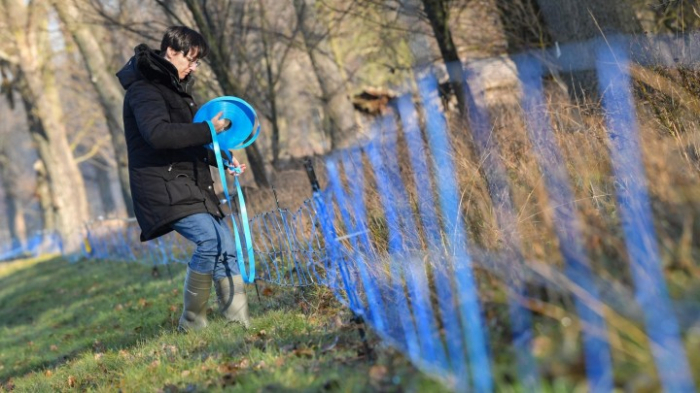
point(245, 126)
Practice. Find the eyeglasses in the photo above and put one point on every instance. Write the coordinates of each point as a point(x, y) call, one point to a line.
point(193, 62)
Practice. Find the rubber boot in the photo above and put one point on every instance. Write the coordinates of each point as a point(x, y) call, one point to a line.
point(197, 289)
point(233, 300)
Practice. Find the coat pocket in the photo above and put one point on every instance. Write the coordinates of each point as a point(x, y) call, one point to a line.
point(183, 191)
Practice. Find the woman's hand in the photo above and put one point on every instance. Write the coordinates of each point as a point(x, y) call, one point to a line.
point(220, 125)
point(236, 168)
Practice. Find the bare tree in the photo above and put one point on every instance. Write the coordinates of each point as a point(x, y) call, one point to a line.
point(340, 121)
point(109, 91)
point(214, 30)
point(30, 53)
point(274, 57)
point(15, 157)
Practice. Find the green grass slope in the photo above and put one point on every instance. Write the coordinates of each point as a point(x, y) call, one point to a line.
point(111, 326)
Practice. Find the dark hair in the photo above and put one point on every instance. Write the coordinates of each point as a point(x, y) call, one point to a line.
point(182, 38)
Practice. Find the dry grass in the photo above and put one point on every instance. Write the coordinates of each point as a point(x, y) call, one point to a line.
point(670, 145)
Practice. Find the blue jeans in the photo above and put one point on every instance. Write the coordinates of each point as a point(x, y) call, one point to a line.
point(216, 251)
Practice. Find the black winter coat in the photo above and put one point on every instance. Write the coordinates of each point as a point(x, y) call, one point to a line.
point(168, 165)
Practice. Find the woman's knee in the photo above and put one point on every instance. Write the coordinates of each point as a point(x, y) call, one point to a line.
point(209, 247)
point(205, 255)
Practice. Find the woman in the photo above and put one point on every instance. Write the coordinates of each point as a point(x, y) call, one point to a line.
point(171, 185)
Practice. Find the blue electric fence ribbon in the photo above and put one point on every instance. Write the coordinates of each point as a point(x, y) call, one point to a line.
point(249, 278)
point(244, 130)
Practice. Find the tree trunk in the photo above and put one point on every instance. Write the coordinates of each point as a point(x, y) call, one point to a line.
point(438, 15)
point(16, 223)
point(42, 101)
point(108, 89)
point(271, 91)
point(218, 61)
point(340, 116)
point(43, 194)
point(14, 208)
point(103, 181)
point(570, 21)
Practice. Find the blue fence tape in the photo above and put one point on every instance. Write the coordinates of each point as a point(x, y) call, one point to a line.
point(453, 226)
point(248, 276)
point(637, 223)
point(598, 360)
point(420, 294)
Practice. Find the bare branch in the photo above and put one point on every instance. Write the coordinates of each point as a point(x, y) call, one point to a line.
point(168, 10)
point(94, 150)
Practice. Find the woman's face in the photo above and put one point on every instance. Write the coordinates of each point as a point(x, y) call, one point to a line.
point(183, 62)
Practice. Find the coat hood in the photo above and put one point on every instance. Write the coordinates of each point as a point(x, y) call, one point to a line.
point(148, 64)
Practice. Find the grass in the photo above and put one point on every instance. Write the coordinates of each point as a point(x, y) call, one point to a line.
point(111, 326)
